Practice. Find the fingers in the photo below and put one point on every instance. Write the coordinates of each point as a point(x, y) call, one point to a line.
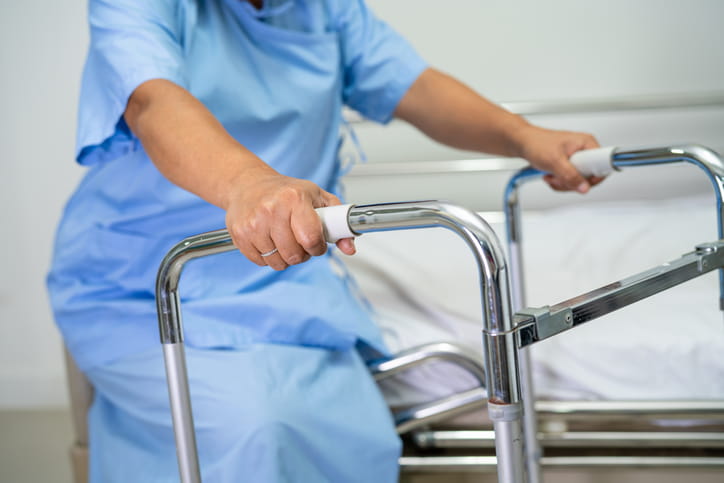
point(589, 142)
point(567, 178)
point(306, 228)
point(278, 226)
point(564, 175)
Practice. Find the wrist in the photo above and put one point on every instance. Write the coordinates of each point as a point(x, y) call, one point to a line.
point(250, 173)
point(518, 137)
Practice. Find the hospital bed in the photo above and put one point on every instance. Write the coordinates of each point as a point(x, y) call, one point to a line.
point(503, 382)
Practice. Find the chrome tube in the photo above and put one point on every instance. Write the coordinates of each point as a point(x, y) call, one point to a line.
point(441, 410)
point(499, 345)
point(500, 350)
point(443, 351)
point(536, 324)
point(448, 407)
point(168, 308)
point(487, 464)
point(168, 303)
point(509, 449)
point(707, 160)
point(711, 410)
point(704, 158)
point(446, 464)
point(183, 423)
point(471, 439)
point(532, 450)
point(502, 379)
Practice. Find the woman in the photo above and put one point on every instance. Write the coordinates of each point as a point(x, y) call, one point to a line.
point(198, 113)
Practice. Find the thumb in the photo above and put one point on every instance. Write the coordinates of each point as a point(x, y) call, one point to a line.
point(346, 246)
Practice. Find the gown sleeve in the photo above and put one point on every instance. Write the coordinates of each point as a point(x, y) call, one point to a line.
point(131, 41)
point(379, 64)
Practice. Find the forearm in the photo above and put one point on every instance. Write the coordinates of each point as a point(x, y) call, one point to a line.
point(450, 112)
point(266, 212)
point(187, 143)
point(453, 114)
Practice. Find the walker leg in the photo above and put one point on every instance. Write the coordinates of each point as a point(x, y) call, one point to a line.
point(183, 423)
point(507, 423)
point(532, 447)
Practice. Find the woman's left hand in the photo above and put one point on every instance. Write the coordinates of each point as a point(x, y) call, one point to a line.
point(550, 151)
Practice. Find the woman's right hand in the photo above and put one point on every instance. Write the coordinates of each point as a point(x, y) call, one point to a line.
point(267, 211)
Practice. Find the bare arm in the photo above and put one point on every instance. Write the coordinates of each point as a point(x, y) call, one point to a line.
point(452, 113)
point(264, 209)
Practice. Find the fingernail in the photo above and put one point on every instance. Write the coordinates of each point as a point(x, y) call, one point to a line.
point(583, 187)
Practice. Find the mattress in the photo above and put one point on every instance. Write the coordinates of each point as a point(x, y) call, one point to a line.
point(423, 286)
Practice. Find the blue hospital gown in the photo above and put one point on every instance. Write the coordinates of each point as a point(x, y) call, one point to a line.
point(276, 78)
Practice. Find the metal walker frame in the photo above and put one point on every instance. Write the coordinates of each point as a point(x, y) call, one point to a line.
point(538, 324)
point(507, 378)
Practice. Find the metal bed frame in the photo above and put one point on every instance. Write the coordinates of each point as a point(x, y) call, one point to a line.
point(505, 335)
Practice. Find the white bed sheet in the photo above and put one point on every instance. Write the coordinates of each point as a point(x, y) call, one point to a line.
point(424, 287)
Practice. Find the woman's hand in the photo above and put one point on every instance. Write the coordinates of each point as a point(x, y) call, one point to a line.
point(265, 211)
point(452, 113)
point(550, 151)
point(272, 214)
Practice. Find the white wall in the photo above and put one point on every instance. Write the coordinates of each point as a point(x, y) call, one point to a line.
point(514, 50)
point(42, 47)
point(528, 50)
point(510, 50)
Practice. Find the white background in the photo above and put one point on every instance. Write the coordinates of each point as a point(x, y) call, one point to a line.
point(511, 50)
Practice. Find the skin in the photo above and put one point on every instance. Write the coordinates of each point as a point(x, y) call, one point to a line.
point(265, 209)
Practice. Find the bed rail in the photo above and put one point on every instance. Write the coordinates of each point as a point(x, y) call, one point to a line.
point(408, 419)
point(488, 464)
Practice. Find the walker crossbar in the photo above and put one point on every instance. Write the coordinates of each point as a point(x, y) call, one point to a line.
point(538, 324)
point(500, 352)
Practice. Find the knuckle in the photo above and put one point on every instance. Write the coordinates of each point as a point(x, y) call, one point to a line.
point(291, 194)
point(264, 210)
point(237, 232)
point(313, 242)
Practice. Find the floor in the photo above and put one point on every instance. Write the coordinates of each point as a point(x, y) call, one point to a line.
point(34, 446)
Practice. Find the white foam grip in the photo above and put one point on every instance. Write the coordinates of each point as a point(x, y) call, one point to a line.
point(335, 222)
point(594, 162)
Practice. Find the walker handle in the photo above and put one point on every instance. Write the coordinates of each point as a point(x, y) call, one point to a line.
point(335, 222)
point(594, 162)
